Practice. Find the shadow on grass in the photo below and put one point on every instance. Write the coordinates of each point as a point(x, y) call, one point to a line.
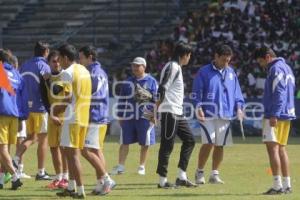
point(181, 195)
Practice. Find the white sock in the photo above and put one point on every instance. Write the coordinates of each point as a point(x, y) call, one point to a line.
point(59, 176)
point(15, 177)
point(286, 182)
point(106, 177)
point(71, 185)
point(17, 159)
point(182, 174)
point(277, 184)
point(20, 168)
point(80, 190)
point(162, 181)
point(41, 171)
point(2, 178)
point(214, 172)
point(142, 166)
point(65, 176)
point(200, 170)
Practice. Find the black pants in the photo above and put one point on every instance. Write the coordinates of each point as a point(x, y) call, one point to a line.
point(172, 125)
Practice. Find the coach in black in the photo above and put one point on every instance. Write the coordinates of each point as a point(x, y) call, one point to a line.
point(170, 106)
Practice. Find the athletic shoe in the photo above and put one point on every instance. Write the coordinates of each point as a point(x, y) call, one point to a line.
point(16, 184)
point(167, 185)
point(141, 170)
point(53, 185)
point(272, 191)
point(66, 193)
point(7, 177)
point(63, 184)
point(44, 177)
point(117, 170)
point(23, 175)
point(215, 179)
point(199, 178)
point(288, 190)
point(186, 183)
point(108, 185)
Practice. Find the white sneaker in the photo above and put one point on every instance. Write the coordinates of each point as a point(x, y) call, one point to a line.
point(199, 178)
point(215, 179)
point(117, 170)
point(108, 185)
point(141, 170)
point(23, 175)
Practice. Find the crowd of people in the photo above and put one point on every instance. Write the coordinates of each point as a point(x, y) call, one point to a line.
point(242, 24)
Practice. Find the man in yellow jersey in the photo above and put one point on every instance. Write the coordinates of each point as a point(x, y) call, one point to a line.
point(76, 106)
point(56, 92)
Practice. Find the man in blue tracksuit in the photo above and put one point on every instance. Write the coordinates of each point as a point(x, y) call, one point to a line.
point(279, 110)
point(13, 107)
point(218, 99)
point(96, 132)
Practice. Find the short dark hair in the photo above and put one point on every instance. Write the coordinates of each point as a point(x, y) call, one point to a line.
point(53, 53)
point(40, 48)
point(223, 50)
point(89, 51)
point(68, 50)
point(4, 55)
point(263, 51)
point(181, 49)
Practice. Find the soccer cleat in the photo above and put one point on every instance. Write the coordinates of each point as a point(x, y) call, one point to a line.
point(44, 177)
point(78, 196)
point(23, 175)
point(215, 179)
point(167, 185)
point(53, 185)
point(63, 184)
point(108, 185)
point(16, 184)
point(288, 190)
point(66, 193)
point(186, 183)
point(117, 170)
point(199, 178)
point(7, 177)
point(272, 191)
point(141, 170)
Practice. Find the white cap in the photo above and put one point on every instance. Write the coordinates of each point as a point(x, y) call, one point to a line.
point(139, 61)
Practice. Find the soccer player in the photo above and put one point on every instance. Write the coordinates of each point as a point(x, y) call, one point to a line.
point(135, 126)
point(76, 106)
point(279, 110)
point(173, 122)
point(92, 150)
point(55, 94)
point(218, 100)
point(13, 107)
point(34, 72)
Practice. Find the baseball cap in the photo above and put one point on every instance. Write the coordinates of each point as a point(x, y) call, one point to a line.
point(139, 61)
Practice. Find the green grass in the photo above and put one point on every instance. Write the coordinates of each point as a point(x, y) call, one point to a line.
point(243, 169)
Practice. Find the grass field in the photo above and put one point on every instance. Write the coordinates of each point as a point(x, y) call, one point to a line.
point(243, 170)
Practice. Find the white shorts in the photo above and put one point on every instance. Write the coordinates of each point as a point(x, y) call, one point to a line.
point(92, 139)
point(216, 132)
point(22, 133)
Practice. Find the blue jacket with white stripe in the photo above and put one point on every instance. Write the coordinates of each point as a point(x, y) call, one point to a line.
point(217, 92)
point(278, 99)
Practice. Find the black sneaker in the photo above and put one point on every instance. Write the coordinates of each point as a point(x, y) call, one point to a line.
point(16, 184)
point(78, 196)
point(167, 185)
point(44, 177)
point(186, 183)
point(272, 191)
point(288, 190)
point(66, 193)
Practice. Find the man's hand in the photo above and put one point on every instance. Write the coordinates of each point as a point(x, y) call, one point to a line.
point(240, 114)
point(56, 120)
point(273, 121)
point(200, 115)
